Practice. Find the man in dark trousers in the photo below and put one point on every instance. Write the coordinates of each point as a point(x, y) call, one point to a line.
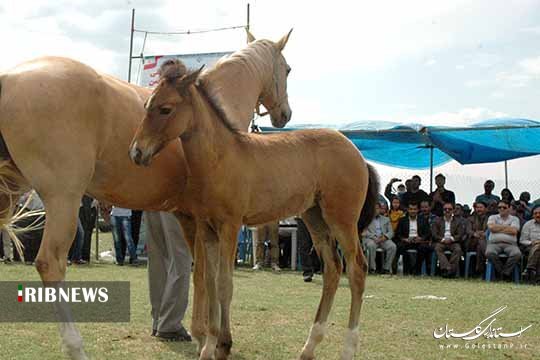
point(448, 234)
point(308, 255)
point(413, 233)
point(88, 216)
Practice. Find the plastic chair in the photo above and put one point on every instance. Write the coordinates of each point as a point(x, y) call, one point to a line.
point(490, 271)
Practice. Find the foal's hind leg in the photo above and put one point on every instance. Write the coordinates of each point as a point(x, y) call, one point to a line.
point(356, 270)
point(60, 226)
point(326, 247)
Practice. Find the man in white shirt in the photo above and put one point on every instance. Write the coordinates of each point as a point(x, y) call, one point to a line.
point(503, 229)
point(530, 239)
point(379, 234)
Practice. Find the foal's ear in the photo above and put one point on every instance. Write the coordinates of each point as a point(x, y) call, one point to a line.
point(250, 36)
point(187, 80)
point(283, 41)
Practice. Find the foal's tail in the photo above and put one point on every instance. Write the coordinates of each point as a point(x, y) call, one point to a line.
point(372, 195)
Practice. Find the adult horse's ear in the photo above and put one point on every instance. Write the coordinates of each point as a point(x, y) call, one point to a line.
point(250, 36)
point(187, 80)
point(283, 41)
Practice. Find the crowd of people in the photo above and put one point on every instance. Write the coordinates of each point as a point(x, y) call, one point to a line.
point(415, 226)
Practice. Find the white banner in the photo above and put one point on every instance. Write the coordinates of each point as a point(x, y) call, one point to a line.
point(149, 76)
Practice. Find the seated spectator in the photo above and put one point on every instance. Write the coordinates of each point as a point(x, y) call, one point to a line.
point(517, 211)
point(503, 229)
point(384, 209)
point(476, 240)
point(121, 225)
point(487, 197)
point(466, 211)
point(530, 240)
point(440, 196)
point(447, 234)
point(75, 252)
point(525, 201)
point(413, 233)
point(268, 232)
point(425, 212)
point(395, 213)
point(379, 234)
point(415, 195)
point(492, 208)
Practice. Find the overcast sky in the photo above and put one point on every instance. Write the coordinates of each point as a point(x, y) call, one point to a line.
point(433, 62)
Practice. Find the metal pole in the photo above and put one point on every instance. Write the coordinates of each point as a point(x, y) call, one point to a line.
point(247, 24)
point(131, 43)
point(506, 173)
point(430, 169)
point(97, 232)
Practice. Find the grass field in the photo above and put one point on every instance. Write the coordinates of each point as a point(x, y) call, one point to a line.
point(272, 314)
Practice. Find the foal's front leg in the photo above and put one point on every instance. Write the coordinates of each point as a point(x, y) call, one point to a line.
point(228, 236)
point(207, 236)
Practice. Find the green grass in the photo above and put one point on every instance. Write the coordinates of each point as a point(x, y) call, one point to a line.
point(272, 314)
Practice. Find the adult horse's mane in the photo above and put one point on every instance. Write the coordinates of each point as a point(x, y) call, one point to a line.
point(234, 72)
point(174, 69)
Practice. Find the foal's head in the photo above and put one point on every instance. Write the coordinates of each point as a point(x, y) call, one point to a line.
point(274, 95)
point(165, 118)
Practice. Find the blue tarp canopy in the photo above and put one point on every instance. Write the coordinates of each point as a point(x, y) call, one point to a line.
point(410, 145)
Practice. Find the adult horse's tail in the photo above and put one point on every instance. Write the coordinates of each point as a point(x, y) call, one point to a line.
point(12, 186)
point(372, 195)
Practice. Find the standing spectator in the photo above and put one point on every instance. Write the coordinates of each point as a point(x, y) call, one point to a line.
point(448, 233)
point(415, 195)
point(87, 217)
point(395, 213)
point(379, 234)
point(308, 255)
point(136, 218)
point(268, 232)
point(503, 238)
point(169, 271)
point(75, 253)
point(441, 195)
point(121, 225)
point(507, 195)
point(530, 240)
point(413, 233)
point(31, 239)
point(487, 196)
point(477, 236)
point(389, 191)
point(425, 212)
point(525, 201)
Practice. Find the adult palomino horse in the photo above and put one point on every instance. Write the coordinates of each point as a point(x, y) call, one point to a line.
point(65, 130)
point(319, 174)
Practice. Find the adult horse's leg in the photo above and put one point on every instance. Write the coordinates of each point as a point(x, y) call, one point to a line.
point(209, 239)
point(326, 247)
point(356, 270)
point(228, 236)
point(199, 315)
point(51, 261)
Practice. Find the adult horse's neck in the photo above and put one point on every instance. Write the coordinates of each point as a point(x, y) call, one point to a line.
point(236, 83)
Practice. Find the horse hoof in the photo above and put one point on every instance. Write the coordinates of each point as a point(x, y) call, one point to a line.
point(306, 357)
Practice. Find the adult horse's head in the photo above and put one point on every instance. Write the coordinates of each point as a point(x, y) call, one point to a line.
point(274, 95)
point(165, 118)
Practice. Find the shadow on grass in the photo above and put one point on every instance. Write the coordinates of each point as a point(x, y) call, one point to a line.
point(189, 350)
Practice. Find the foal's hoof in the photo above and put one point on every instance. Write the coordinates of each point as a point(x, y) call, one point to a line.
point(307, 357)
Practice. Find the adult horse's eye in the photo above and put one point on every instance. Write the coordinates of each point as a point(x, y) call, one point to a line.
point(164, 111)
point(288, 70)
